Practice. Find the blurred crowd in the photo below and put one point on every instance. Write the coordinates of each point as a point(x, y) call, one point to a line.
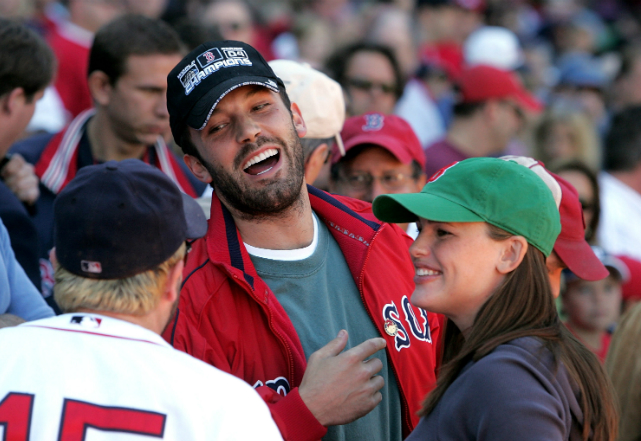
point(423, 83)
point(579, 62)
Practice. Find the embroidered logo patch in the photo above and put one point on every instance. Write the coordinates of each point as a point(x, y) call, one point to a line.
point(441, 172)
point(279, 384)
point(393, 320)
point(209, 62)
point(373, 122)
point(208, 57)
point(90, 267)
point(86, 321)
point(417, 325)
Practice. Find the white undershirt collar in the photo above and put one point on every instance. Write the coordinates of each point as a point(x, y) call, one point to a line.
point(287, 255)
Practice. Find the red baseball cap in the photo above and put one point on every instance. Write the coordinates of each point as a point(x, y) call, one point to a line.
point(482, 83)
point(631, 288)
point(390, 132)
point(446, 55)
point(571, 245)
point(471, 5)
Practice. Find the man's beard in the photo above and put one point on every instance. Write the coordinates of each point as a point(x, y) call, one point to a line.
point(275, 196)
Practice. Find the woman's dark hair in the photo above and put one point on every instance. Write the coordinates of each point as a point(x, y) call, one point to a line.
point(524, 306)
point(578, 166)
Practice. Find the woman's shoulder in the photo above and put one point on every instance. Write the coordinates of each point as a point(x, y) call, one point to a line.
point(524, 362)
point(525, 349)
point(518, 387)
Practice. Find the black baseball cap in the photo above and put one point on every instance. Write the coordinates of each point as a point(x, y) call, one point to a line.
point(208, 73)
point(118, 219)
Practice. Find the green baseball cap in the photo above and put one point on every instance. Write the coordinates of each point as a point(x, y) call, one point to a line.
point(499, 192)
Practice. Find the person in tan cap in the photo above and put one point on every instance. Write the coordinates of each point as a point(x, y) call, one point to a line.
point(322, 105)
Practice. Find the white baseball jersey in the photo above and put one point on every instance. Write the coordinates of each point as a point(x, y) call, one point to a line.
point(87, 377)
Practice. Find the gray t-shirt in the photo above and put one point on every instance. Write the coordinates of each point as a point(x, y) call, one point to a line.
point(320, 297)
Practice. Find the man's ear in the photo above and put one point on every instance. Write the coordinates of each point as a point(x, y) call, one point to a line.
point(197, 168)
point(100, 87)
point(315, 163)
point(52, 257)
point(512, 254)
point(299, 122)
point(9, 100)
point(174, 278)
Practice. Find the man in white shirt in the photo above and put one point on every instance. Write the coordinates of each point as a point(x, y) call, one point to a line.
point(620, 186)
point(102, 371)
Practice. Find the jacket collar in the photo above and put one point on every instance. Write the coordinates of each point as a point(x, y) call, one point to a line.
point(354, 232)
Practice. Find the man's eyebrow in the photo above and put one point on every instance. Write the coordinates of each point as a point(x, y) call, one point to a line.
point(254, 90)
point(144, 86)
point(251, 92)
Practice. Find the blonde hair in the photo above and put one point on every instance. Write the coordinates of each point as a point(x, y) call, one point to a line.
point(584, 138)
point(136, 295)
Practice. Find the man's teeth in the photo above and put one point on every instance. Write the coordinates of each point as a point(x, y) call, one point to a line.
point(426, 272)
point(258, 158)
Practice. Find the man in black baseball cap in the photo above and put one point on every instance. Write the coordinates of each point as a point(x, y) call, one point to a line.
point(206, 80)
point(118, 219)
point(285, 268)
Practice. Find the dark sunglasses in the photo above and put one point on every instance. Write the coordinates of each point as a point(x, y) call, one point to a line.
point(367, 85)
point(586, 205)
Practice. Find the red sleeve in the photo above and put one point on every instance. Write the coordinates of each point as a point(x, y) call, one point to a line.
point(293, 418)
point(291, 415)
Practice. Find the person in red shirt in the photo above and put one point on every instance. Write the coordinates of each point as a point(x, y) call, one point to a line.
point(71, 41)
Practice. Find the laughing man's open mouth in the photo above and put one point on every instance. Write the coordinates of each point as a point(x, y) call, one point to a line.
point(263, 162)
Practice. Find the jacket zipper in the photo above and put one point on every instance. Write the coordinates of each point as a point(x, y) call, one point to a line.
point(270, 315)
point(406, 411)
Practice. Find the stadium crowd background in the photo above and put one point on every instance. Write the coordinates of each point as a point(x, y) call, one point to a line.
point(580, 59)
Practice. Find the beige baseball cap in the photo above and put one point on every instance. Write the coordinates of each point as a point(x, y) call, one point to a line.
point(319, 98)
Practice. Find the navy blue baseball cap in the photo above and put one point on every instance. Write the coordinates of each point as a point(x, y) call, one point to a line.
point(119, 219)
point(208, 73)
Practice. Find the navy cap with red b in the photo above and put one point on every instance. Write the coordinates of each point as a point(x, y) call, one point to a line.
point(119, 219)
point(208, 73)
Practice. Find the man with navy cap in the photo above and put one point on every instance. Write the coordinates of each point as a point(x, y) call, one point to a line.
point(292, 288)
point(120, 232)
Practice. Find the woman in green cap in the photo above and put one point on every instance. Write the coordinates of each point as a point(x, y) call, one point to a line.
point(510, 370)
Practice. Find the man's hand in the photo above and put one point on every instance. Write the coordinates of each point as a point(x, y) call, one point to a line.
point(340, 388)
point(21, 179)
